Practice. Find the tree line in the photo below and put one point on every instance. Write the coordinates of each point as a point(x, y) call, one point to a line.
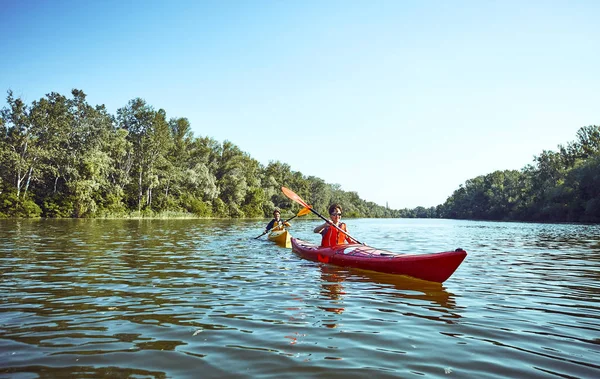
point(560, 186)
point(62, 157)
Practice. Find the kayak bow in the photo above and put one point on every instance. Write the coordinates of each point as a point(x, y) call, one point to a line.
point(281, 237)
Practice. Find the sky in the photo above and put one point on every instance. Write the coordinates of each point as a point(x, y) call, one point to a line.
point(401, 101)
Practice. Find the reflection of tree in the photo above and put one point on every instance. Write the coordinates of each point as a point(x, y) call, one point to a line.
point(87, 372)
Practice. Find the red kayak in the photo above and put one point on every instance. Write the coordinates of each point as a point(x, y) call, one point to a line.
point(436, 267)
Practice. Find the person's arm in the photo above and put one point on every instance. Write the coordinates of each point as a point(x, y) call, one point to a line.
point(320, 228)
point(270, 225)
point(348, 238)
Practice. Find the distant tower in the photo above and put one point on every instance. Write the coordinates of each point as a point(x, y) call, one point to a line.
point(386, 205)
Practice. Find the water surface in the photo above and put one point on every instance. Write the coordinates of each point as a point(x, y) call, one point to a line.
point(203, 298)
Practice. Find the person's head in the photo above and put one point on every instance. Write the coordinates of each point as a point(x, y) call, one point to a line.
point(276, 214)
point(335, 210)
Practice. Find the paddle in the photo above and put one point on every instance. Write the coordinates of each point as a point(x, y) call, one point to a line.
point(292, 195)
point(303, 211)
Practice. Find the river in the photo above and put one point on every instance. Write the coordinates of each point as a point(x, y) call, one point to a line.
point(204, 299)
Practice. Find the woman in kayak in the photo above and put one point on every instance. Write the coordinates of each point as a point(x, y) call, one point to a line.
point(276, 222)
point(331, 236)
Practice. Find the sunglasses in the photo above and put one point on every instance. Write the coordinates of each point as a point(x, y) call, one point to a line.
point(335, 214)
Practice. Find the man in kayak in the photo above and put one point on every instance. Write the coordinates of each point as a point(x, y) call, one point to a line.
point(276, 222)
point(331, 236)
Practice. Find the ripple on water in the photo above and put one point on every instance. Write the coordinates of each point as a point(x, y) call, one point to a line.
point(179, 298)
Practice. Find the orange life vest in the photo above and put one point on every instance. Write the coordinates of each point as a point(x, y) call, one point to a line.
point(331, 236)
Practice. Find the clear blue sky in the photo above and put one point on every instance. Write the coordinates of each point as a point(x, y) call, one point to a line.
point(400, 101)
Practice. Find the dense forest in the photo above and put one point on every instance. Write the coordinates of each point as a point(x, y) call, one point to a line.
point(62, 157)
point(562, 186)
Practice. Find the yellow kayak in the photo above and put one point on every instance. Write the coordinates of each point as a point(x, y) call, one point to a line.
point(281, 237)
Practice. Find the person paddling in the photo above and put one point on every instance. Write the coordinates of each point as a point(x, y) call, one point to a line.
point(331, 236)
point(276, 223)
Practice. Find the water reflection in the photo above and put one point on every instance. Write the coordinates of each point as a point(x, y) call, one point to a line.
point(45, 372)
point(190, 298)
point(332, 288)
point(399, 292)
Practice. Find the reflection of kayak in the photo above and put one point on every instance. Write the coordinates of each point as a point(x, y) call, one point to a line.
point(281, 237)
point(436, 267)
point(407, 289)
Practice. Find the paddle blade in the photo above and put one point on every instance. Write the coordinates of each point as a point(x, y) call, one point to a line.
point(303, 211)
point(292, 196)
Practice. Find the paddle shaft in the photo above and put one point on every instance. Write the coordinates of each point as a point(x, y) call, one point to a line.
point(273, 227)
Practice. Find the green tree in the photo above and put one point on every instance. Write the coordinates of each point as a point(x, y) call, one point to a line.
point(21, 151)
point(150, 136)
point(231, 179)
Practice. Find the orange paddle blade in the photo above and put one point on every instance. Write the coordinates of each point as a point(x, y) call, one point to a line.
point(292, 196)
point(303, 211)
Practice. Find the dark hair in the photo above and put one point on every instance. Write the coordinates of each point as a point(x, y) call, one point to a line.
point(333, 207)
point(276, 211)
